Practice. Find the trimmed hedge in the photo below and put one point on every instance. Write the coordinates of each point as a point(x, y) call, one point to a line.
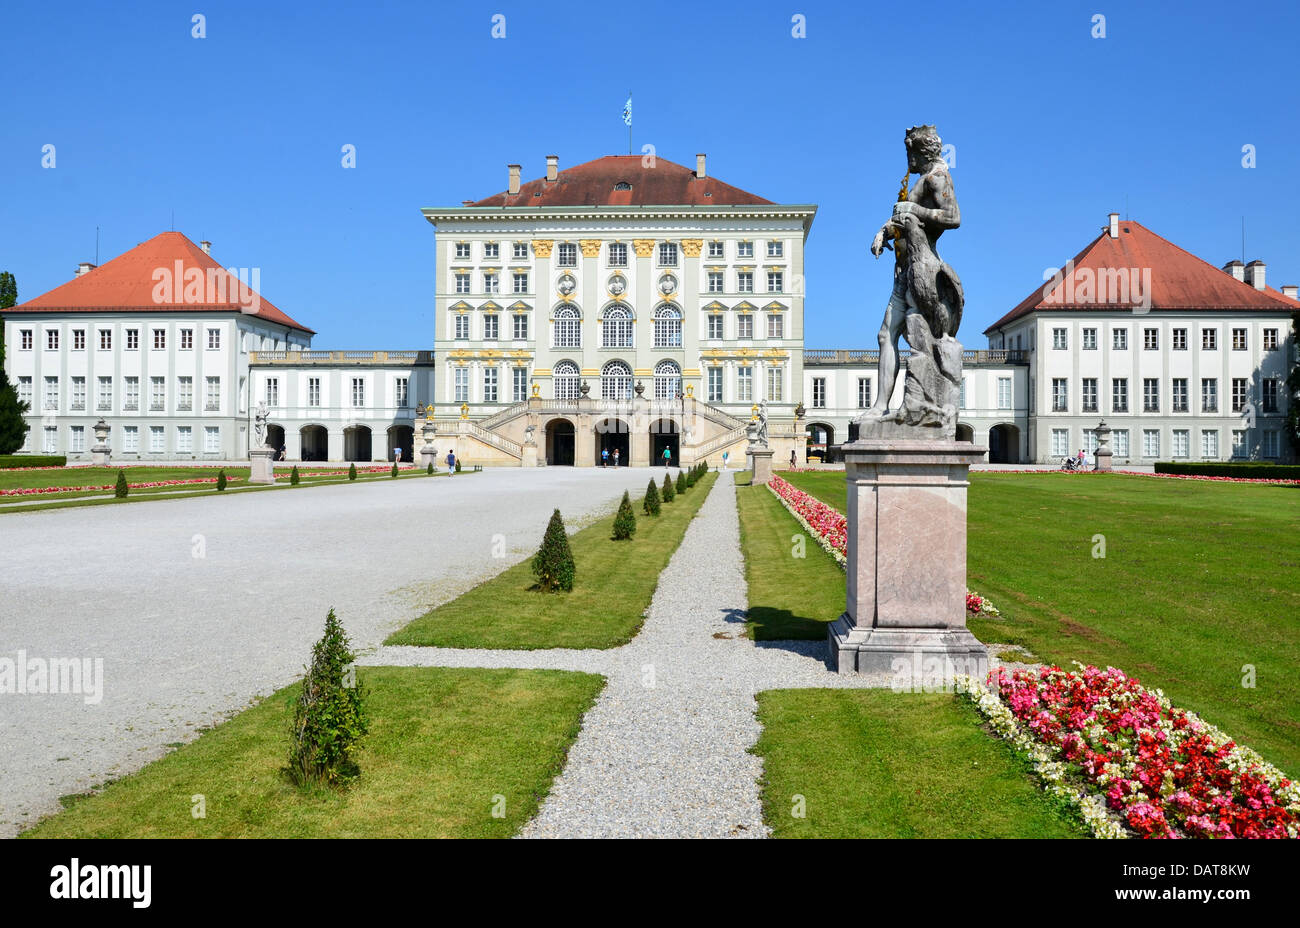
point(1253, 470)
point(32, 460)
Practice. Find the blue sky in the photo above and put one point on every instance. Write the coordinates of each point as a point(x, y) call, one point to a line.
point(240, 133)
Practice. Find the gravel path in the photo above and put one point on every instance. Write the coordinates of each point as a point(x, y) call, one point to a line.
point(187, 640)
point(669, 759)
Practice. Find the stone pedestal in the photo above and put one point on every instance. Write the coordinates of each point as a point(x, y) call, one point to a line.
point(428, 455)
point(1103, 456)
point(906, 559)
point(99, 455)
point(529, 456)
point(262, 469)
point(760, 464)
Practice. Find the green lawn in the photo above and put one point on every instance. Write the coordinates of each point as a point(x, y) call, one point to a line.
point(789, 596)
point(1200, 579)
point(615, 583)
point(877, 764)
point(443, 744)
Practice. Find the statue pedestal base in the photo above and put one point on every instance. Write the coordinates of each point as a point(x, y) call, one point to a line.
point(760, 464)
point(906, 609)
point(262, 468)
point(529, 456)
point(99, 456)
point(428, 456)
point(1103, 459)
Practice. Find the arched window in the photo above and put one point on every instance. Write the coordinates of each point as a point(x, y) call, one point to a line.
point(568, 328)
point(668, 380)
point(616, 381)
point(617, 327)
point(565, 377)
point(668, 327)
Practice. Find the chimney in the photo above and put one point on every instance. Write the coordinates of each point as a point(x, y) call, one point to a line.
point(1255, 274)
point(1114, 225)
point(514, 179)
point(85, 267)
point(1236, 269)
point(206, 246)
point(552, 166)
point(699, 167)
point(1290, 290)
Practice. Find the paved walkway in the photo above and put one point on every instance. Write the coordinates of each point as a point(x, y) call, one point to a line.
point(198, 606)
point(665, 750)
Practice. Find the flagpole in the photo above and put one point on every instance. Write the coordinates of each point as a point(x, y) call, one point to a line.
point(629, 128)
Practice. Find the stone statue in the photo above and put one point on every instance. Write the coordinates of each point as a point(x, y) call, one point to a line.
point(530, 435)
point(925, 305)
point(761, 434)
point(260, 416)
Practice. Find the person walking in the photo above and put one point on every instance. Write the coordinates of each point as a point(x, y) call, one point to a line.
point(668, 455)
point(616, 455)
point(794, 461)
point(604, 457)
point(724, 459)
point(451, 463)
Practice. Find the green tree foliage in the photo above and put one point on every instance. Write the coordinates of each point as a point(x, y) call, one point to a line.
point(553, 564)
point(429, 471)
point(625, 521)
point(394, 472)
point(681, 481)
point(221, 479)
point(293, 476)
point(13, 425)
point(330, 716)
point(650, 505)
point(352, 471)
point(668, 493)
point(121, 489)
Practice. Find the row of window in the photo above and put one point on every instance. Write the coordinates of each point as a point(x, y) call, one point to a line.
point(1178, 399)
point(26, 339)
point(616, 383)
point(1179, 446)
point(51, 397)
point(1151, 339)
point(130, 439)
point(401, 392)
point(616, 253)
point(865, 393)
point(617, 327)
point(716, 282)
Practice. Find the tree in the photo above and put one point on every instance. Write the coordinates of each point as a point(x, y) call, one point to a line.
point(330, 715)
point(681, 481)
point(8, 290)
point(13, 424)
point(625, 521)
point(430, 469)
point(221, 479)
point(668, 492)
point(293, 476)
point(121, 489)
point(553, 564)
point(394, 473)
point(650, 505)
point(352, 471)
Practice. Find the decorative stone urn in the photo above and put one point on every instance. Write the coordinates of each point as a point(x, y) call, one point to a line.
point(100, 453)
point(640, 388)
point(1103, 452)
point(585, 388)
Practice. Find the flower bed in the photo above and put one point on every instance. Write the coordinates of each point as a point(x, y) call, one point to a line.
point(831, 530)
point(1142, 473)
point(45, 491)
point(1130, 762)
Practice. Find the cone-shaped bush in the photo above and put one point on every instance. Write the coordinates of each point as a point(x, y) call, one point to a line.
point(650, 505)
point(458, 465)
point(330, 716)
point(352, 471)
point(221, 479)
point(553, 563)
point(121, 489)
point(294, 479)
point(430, 469)
point(625, 521)
point(681, 481)
point(668, 492)
point(394, 473)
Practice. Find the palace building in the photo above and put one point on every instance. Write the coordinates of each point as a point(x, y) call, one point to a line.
point(635, 305)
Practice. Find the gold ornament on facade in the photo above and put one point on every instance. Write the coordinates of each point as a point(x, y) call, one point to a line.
point(537, 390)
point(542, 247)
point(464, 410)
point(644, 247)
point(590, 247)
point(691, 247)
point(690, 390)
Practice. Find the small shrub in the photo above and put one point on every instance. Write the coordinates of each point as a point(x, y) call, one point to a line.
point(352, 471)
point(650, 505)
point(458, 465)
point(8, 461)
point(625, 521)
point(430, 469)
point(221, 479)
point(668, 493)
point(681, 481)
point(394, 472)
point(330, 716)
point(121, 490)
point(553, 564)
point(294, 479)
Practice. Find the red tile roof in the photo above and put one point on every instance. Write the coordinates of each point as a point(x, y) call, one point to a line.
point(1179, 280)
point(595, 184)
point(128, 283)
